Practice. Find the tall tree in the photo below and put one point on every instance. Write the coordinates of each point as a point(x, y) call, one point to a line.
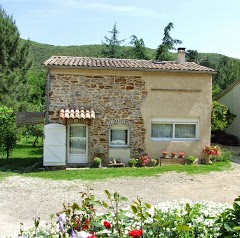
point(139, 50)
point(14, 64)
point(168, 43)
point(192, 56)
point(112, 44)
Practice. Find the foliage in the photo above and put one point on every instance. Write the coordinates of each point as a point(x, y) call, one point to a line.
point(139, 50)
point(112, 45)
point(225, 155)
point(182, 219)
point(132, 162)
point(8, 134)
point(152, 162)
point(192, 56)
point(221, 116)
point(14, 64)
point(97, 160)
point(168, 43)
point(191, 159)
point(229, 221)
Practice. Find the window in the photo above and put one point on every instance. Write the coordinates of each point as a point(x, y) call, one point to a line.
point(119, 135)
point(174, 129)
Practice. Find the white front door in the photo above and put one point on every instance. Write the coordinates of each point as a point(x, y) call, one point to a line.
point(77, 144)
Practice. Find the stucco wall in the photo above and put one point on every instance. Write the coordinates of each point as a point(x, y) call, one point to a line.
point(135, 98)
point(193, 102)
point(231, 100)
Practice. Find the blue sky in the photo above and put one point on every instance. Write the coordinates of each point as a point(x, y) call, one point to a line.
point(211, 26)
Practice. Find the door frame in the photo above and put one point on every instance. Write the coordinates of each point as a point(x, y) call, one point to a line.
point(68, 144)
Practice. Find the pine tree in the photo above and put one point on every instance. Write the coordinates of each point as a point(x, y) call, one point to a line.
point(112, 45)
point(14, 64)
point(139, 50)
point(168, 43)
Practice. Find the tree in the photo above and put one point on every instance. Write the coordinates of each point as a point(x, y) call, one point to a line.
point(14, 64)
point(139, 50)
point(112, 44)
point(221, 116)
point(192, 56)
point(8, 135)
point(168, 43)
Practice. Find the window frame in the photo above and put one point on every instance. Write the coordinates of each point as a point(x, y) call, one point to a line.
point(174, 122)
point(119, 127)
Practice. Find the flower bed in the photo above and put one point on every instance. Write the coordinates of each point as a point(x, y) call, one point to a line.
point(170, 219)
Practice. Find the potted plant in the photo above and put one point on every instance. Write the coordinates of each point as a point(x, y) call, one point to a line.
point(132, 162)
point(164, 153)
point(190, 159)
point(181, 154)
point(97, 162)
point(173, 154)
point(211, 153)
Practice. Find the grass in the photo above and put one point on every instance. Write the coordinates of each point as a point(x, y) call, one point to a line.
point(26, 161)
point(110, 173)
point(24, 156)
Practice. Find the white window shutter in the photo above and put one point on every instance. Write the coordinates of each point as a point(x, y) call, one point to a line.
point(54, 151)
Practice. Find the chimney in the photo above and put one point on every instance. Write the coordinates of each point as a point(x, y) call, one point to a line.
point(181, 55)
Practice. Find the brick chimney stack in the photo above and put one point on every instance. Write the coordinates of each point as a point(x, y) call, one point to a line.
point(181, 55)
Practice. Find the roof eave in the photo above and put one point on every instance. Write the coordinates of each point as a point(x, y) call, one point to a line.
point(128, 69)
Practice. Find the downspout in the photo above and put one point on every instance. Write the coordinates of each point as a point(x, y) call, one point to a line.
point(47, 98)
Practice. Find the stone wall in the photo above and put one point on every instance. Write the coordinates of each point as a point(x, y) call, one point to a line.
point(115, 99)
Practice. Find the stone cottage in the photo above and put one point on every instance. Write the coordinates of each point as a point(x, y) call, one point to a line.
point(118, 108)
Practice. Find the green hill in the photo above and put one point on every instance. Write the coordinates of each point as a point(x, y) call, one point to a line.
point(41, 52)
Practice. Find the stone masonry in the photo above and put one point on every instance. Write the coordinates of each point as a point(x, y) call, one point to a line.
point(115, 99)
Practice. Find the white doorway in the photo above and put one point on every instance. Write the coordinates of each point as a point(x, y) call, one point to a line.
point(77, 144)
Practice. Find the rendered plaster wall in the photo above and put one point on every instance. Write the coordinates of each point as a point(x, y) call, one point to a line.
point(116, 97)
point(231, 100)
point(179, 96)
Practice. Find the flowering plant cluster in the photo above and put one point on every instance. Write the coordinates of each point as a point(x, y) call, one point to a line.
point(143, 160)
point(175, 219)
point(215, 151)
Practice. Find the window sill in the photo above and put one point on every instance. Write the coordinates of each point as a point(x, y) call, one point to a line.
point(173, 140)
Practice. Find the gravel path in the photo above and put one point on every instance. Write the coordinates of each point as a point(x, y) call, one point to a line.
point(23, 198)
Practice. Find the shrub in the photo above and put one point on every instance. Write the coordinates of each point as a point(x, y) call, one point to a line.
point(132, 162)
point(191, 159)
point(152, 162)
point(97, 160)
point(225, 155)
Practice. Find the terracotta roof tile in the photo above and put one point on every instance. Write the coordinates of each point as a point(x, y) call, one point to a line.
point(76, 113)
point(145, 65)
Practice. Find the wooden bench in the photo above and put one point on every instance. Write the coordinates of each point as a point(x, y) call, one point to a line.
point(115, 163)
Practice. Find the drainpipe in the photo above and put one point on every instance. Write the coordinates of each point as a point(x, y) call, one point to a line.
point(47, 98)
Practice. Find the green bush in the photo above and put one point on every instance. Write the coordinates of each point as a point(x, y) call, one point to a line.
point(191, 159)
point(132, 162)
point(225, 155)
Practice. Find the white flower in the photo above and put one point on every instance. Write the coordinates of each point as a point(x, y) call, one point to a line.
point(83, 234)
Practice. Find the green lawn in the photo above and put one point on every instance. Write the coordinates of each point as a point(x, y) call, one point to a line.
point(26, 161)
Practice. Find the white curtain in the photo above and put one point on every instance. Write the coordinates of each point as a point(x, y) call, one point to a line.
point(185, 131)
point(162, 130)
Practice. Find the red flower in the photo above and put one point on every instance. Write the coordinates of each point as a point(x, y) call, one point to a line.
point(135, 233)
point(92, 235)
point(86, 225)
point(107, 224)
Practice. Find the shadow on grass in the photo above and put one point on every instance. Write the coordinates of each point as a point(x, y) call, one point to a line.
point(21, 165)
